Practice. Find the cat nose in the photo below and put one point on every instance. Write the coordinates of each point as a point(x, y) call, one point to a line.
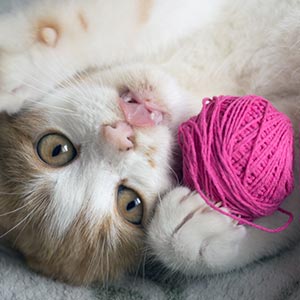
point(120, 135)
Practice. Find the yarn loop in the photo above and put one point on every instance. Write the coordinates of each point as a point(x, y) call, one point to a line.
point(239, 151)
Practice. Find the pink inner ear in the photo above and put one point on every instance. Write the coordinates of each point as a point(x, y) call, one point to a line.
point(140, 113)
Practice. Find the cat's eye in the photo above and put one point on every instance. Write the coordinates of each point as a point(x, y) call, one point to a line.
point(56, 150)
point(130, 205)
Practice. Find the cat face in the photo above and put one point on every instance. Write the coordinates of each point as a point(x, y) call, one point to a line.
point(78, 187)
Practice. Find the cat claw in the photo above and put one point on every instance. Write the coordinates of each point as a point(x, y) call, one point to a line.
point(235, 222)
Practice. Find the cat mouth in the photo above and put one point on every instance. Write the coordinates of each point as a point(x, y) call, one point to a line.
point(141, 111)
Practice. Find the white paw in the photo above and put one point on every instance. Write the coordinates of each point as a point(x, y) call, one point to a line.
point(187, 235)
point(30, 63)
point(26, 74)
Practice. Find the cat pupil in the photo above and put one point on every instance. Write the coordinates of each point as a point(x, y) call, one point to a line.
point(57, 150)
point(136, 202)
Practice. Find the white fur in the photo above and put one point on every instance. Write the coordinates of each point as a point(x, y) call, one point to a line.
point(239, 47)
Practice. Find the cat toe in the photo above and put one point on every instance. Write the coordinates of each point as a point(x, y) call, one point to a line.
point(48, 36)
point(190, 236)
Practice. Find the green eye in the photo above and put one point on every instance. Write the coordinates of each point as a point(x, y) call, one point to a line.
point(130, 205)
point(56, 150)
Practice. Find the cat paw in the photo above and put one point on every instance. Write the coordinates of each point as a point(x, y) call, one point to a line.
point(34, 56)
point(24, 72)
point(189, 236)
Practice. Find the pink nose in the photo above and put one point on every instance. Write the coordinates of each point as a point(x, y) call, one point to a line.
point(119, 135)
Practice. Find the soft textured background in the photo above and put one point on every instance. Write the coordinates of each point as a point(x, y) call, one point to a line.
point(275, 278)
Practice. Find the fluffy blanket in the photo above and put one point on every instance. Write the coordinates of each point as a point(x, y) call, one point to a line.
point(273, 278)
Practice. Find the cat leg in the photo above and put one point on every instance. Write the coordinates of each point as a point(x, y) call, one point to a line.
point(188, 236)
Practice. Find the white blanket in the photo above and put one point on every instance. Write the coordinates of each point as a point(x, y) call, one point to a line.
point(276, 278)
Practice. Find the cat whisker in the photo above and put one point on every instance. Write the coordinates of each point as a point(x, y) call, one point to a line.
point(107, 268)
point(17, 225)
point(175, 175)
point(72, 79)
point(102, 266)
point(48, 105)
point(26, 223)
point(16, 210)
point(10, 194)
point(14, 181)
point(44, 91)
point(27, 75)
point(58, 110)
point(159, 198)
point(140, 265)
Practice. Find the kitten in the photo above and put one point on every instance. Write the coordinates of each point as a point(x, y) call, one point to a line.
point(98, 91)
point(71, 190)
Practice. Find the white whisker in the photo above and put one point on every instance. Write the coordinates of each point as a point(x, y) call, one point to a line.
point(18, 224)
point(16, 210)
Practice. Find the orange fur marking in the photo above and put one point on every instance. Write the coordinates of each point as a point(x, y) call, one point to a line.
point(152, 163)
point(48, 33)
point(145, 7)
point(149, 155)
point(83, 22)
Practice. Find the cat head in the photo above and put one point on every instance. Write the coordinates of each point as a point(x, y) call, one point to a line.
point(82, 168)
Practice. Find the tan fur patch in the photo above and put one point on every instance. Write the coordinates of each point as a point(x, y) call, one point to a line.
point(83, 21)
point(88, 254)
point(149, 153)
point(152, 163)
point(152, 149)
point(145, 7)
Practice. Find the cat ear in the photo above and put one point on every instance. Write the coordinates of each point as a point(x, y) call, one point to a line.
point(140, 112)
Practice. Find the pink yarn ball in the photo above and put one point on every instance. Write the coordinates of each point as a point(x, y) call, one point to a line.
point(239, 152)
